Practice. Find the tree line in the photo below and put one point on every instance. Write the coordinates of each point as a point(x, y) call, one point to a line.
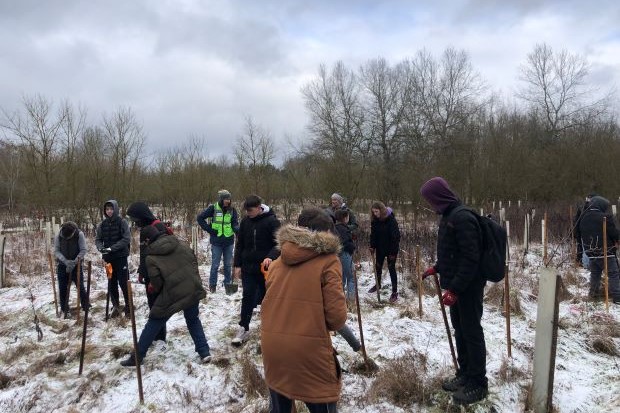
point(377, 132)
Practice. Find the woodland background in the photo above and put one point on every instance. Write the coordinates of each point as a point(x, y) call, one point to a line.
point(375, 132)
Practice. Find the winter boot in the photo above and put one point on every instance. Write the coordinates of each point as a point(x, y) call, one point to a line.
point(115, 312)
point(129, 361)
point(470, 393)
point(454, 383)
point(212, 289)
point(242, 336)
point(67, 315)
point(394, 297)
point(373, 289)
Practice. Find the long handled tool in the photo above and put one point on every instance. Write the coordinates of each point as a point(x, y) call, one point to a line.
point(377, 275)
point(83, 350)
point(136, 355)
point(49, 256)
point(420, 281)
point(78, 286)
point(359, 317)
point(445, 321)
point(606, 264)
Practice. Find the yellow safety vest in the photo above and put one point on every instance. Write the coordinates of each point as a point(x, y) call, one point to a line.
point(222, 222)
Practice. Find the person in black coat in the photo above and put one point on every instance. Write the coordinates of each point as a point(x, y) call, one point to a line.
point(141, 215)
point(384, 243)
point(581, 257)
point(346, 254)
point(590, 233)
point(255, 248)
point(459, 248)
point(112, 240)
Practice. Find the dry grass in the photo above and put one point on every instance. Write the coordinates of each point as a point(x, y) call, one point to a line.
point(18, 351)
point(365, 369)
point(604, 345)
point(410, 312)
point(509, 373)
point(5, 381)
point(404, 382)
point(121, 351)
point(607, 328)
point(252, 380)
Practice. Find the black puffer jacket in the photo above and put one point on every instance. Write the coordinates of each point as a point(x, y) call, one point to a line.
point(590, 228)
point(344, 233)
point(113, 233)
point(256, 241)
point(384, 234)
point(459, 244)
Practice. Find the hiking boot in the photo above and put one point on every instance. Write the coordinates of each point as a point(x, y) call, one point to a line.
point(454, 383)
point(115, 312)
point(67, 315)
point(129, 361)
point(394, 297)
point(470, 393)
point(212, 289)
point(373, 289)
point(206, 359)
point(241, 336)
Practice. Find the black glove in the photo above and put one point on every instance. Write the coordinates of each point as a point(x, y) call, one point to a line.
point(70, 264)
point(105, 250)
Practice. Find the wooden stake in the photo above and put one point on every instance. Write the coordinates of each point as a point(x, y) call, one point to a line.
point(606, 265)
point(573, 245)
point(507, 292)
point(52, 272)
point(78, 286)
point(420, 281)
point(83, 350)
point(544, 236)
point(445, 321)
point(136, 356)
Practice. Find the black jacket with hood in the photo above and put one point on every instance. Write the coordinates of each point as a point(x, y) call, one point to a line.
point(590, 228)
point(113, 233)
point(256, 240)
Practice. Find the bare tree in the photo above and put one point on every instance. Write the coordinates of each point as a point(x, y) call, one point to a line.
point(254, 151)
point(71, 130)
point(126, 141)
point(554, 84)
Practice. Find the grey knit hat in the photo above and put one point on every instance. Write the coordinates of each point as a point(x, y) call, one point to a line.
point(223, 194)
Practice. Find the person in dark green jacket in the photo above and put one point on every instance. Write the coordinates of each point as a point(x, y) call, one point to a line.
point(173, 272)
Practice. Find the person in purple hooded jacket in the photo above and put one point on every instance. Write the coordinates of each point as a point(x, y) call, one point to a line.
point(384, 243)
point(459, 247)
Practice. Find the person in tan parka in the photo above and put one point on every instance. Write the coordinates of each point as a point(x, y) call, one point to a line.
point(303, 303)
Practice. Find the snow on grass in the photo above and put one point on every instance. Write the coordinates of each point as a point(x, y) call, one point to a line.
point(42, 376)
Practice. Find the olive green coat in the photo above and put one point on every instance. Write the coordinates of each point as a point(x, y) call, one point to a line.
point(173, 271)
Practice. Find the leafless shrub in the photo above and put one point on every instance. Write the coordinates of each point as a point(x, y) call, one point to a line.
point(404, 382)
point(607, 328)
point(494, 295)
point(410, 312)
point(252, 380)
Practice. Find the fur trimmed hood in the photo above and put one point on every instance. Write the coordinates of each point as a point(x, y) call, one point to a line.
point(299, 244)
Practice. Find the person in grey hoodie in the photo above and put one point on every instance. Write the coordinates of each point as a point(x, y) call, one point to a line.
point(112, 240)
point(69, 247)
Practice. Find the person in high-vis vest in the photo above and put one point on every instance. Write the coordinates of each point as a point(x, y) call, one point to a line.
point(221, 221)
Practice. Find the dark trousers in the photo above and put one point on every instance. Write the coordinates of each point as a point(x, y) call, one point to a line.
point(253, 284)
point(154, 326)
point(381, 256)
point(282, 404)
point(470, 346)
point(120, 275)
point(161, 332)
point(64, 286)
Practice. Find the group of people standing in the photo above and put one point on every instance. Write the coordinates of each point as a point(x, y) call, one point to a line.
point(301, 275)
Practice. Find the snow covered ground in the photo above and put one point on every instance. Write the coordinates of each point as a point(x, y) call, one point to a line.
point(42, 376)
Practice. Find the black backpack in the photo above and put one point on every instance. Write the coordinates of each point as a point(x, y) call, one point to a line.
point(494, 244)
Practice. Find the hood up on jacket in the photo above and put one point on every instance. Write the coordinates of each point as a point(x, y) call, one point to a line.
point(141, 214)
point(114, 205)
point(68, 230)
point(299, 244)
point(600, 203)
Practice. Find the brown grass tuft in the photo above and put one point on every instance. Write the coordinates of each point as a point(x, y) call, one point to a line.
point(495, 295)
point(5, 381)
point(252, 380)
point(509, 373)
point(221, 362)
point(604, 345)
point(121, 351)
point(404, 382)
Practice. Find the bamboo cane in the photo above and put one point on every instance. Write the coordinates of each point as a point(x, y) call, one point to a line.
point(49, 256)
point(359, 317)
point(606, 283)
point(377, 279)
point(420, 282)
point(136, 356)
point(83, 350)
point(78, 286)
point(445, 321)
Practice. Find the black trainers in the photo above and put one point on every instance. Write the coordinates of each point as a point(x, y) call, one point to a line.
point(129, 361)
point(454, 383)
point(470, 393)
point(115, 312)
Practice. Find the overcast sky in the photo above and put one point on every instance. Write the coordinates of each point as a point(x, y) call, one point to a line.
point(198, 67)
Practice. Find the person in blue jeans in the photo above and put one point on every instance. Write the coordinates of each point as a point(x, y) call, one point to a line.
point(221, 221)
point(173, 271)
point(346, 254)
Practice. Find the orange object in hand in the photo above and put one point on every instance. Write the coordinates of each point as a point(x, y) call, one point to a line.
point(108, 270)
